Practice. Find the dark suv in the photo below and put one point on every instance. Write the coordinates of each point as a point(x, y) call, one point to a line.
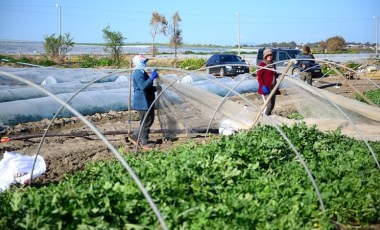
point(282, 55)
point(232, 65)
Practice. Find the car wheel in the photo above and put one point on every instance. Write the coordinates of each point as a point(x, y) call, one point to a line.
point(221, 72)
point(296, 71)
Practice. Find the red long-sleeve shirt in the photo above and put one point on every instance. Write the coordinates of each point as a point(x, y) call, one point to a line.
point(266, 77)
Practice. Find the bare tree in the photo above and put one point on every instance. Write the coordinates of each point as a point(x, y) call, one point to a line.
point(159, 24)
point(176, 33)
point(335, 44)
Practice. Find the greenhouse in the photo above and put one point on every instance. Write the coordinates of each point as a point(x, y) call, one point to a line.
point(244, 178)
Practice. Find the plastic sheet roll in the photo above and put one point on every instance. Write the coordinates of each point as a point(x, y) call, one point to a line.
point(69, 87)
point(87, 103)
point(248, 86)
point(39, 75)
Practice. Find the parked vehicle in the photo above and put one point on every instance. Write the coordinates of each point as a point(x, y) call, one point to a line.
point(232, 65)
point(282, 55)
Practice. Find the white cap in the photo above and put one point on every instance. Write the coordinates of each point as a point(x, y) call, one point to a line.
point(139, 61)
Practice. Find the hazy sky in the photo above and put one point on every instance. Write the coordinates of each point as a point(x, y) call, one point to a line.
point(203, 22)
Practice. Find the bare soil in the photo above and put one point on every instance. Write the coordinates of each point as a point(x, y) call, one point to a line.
point(70, 153)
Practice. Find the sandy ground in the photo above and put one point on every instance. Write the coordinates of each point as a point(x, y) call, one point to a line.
point(68, 154)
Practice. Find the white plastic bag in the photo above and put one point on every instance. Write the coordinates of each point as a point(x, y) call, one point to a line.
point(17, 168)
point(226, 127)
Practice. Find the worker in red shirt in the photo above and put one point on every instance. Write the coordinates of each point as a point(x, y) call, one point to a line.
point(267, 80)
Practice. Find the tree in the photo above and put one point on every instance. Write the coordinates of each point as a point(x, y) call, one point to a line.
point(176, 37)
point(335, 44)
point(58, 47)
point(114, 44)
point(322, 46)
point(67, 44)
point(292, 44)
point(159, 24)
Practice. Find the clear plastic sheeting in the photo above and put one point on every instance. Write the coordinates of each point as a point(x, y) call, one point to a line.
point(193, 105)
point(330, 112)
point(184, 108)
point(56, 75)
point(27, 104)
point(200, 102)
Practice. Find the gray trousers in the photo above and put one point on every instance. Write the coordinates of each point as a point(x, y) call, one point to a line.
point(145, 127)
point(269, 108)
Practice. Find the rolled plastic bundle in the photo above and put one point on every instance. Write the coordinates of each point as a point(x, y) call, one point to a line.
point(244, 77)
point(196, 77)
point(212, 81)
point(39, 75)
point(29, 74)
point(87, 103)
point(248, 86)
point(69, 87)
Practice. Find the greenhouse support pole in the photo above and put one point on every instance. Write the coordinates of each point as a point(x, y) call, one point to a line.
point(130, 103)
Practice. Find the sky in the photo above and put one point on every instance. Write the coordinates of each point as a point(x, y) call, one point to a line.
point(203, 21)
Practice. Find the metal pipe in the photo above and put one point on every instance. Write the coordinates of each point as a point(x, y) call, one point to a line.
point(237, 13)
point(59, 26)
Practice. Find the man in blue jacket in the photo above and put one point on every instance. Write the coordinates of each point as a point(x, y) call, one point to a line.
point(143, 97)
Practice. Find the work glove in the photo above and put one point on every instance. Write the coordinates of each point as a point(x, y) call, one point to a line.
point(265, 90)
point(153, 75)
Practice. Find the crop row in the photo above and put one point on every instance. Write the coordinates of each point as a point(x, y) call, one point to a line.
point(251, 180)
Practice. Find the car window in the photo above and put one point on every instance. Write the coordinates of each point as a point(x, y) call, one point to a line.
point(230, 58)
point(294, 53)
point(283, 56)
point(236, 59)
point(215, 59)
point(223, 58)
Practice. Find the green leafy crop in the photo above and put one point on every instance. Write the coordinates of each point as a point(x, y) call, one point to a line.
point(249, 180)
point(373, 95)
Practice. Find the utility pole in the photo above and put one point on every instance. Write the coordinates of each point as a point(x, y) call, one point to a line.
point(237, 13)
point(377, 46)
point(59, 26)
